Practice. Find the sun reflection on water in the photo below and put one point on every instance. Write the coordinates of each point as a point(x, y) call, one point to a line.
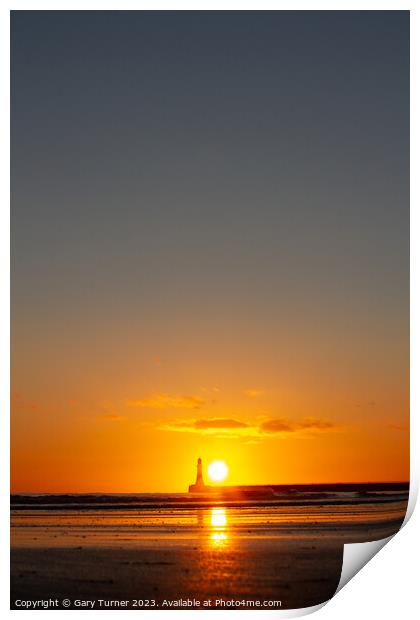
point(218, 518)
point(218, 522)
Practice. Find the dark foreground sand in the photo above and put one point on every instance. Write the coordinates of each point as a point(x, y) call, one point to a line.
point(298, 574)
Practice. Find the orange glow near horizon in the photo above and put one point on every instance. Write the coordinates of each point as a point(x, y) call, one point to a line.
point(106, 424)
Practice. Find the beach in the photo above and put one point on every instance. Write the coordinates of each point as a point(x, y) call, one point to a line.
point(298, 573)
point(163, 555)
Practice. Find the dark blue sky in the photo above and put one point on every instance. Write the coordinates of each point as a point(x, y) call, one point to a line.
point(252, 137)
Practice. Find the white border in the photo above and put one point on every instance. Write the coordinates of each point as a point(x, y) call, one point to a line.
point(400, 595)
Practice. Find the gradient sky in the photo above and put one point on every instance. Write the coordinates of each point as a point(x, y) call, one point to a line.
point(210, 229)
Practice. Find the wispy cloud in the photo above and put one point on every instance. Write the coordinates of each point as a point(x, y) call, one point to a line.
point(253, 393)
point(110, 417)
point(397, 427)
point(20, 400)
point(209, 425)
point(281, 425)
point(369, 403)
point(276, 426)
point(166, 401)
point(232, 427)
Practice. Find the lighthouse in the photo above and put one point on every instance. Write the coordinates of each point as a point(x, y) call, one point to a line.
point(199, 480)
point(199, 486)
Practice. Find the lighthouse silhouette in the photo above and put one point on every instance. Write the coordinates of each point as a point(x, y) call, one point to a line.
point(199, 486)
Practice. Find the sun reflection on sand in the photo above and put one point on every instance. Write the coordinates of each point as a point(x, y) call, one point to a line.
point(218, 518)
point(218, 523)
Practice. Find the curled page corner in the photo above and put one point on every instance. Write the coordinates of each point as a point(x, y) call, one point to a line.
point(356, 556)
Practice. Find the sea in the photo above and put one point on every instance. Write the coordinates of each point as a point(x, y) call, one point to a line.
point(115, 519)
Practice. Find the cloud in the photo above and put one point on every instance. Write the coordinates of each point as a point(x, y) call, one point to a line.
point(20, 400)
point(165, 401)
point(111, 417)
point(281, 425)
point(369, 403)
point(207, 425)
point(219, 423)
point(397, 427)
point(317, 424)
point(252, 393)
point(232, 427)
point(276, 426)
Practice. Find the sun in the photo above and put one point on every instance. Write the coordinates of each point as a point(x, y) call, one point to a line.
point(217, 471)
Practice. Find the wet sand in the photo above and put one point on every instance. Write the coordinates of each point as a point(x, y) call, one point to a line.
point(208, 554)
point(296, 573)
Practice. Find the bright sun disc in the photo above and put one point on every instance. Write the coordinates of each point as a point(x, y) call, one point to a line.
point(217, 471)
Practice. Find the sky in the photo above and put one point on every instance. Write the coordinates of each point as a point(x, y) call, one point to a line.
point(210, 247)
